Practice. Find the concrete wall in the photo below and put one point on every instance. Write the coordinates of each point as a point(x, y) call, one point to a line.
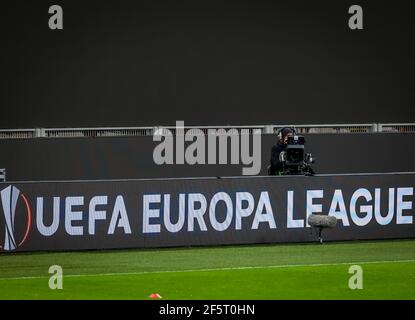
point(114, 158)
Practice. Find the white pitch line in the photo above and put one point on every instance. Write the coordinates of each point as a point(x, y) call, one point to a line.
point(213, 269)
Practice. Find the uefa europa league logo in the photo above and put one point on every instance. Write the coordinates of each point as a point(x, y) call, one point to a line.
point(9, 200)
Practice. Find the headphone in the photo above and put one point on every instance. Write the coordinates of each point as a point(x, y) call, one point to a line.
point(279, 132)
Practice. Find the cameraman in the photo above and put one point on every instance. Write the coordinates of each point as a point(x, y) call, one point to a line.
point(276, 167)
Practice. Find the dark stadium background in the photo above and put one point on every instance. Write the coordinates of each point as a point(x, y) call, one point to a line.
point(145, 63)
point(130, 63)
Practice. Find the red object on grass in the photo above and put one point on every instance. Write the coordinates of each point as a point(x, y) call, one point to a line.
point(154, 296)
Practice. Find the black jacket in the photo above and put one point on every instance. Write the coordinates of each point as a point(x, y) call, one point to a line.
point(276, 164)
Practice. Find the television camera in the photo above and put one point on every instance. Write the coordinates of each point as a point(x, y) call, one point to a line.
point(293, 158)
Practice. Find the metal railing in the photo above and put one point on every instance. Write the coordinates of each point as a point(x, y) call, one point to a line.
point(17, 133)
point(397, 127)
point(203, 130)
point(343, 128)
point(149, 131)
point(97, 132)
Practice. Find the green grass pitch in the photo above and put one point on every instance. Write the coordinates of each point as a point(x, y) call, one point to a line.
point(295, 271)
